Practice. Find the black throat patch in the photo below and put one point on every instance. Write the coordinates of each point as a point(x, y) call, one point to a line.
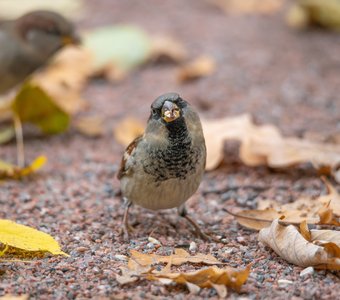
point(178, 160)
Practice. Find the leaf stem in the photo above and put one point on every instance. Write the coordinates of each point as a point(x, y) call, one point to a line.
point(20, 141)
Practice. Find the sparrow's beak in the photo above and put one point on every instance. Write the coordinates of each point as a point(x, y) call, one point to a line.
point(71, 40)
point(170, 111)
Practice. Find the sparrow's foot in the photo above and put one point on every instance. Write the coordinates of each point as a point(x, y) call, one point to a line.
point(127, 228)
point(183, 213)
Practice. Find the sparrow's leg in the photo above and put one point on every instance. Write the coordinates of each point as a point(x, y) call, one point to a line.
point(182, 211)
point(127, 228)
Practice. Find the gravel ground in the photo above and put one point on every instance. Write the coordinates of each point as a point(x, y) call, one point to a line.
point(280, 76)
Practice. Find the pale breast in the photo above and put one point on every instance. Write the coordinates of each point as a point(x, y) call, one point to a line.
point(155, 195)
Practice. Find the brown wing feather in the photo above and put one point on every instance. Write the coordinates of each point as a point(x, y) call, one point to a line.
point(123, 169)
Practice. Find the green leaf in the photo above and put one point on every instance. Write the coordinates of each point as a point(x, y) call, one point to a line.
point(33, 105)
point(6, 135)
point(123, 46)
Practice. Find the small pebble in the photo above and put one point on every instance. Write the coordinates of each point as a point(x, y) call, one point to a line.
point(150, 245)
point(154, 241)
point(121, 257)
point(241, 239)
point(284, 283)
point(193, 247)
point(307, 272)
point(81, 249)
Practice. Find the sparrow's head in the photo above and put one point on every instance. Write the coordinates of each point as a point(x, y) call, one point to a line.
point(168, 109)
point(46, 31)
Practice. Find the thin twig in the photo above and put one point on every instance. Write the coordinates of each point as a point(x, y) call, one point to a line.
point(20, 141)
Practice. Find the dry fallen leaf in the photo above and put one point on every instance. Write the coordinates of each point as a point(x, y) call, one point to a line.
point(248, 6)
point(288, 243)
point(265, 145)
point(92, 126)
point(13, 297)
point(27, 238)
point(166, 49)
point(65, 77)
point(178, 258)
point(212, 277)
point(14, 172)
point(200, 67)
point(140, 266)
point(325, 235)
point(127, 130)
point(321, 210)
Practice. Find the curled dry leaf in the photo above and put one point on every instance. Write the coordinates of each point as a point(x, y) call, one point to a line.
point(288, 243)
point(248, 6)
point(27, 238)
point(200, 67)
point(265, 145)
point(325, 235)
point(14, 172)
point(127, 130)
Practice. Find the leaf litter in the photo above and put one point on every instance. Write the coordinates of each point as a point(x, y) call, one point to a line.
point(142, 266)
point(323, 210)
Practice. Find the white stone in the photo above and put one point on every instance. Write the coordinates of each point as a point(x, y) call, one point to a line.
point(306, 272)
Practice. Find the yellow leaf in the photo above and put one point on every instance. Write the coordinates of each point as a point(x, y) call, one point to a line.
point(14, 172)
point(33, 105)
point(27, 238)
point(325, 13)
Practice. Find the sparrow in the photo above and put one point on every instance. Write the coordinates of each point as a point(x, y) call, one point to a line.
point(163, 168)
point(28, 42)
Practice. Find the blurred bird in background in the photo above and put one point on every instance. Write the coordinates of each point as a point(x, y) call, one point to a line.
point(27, 43)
